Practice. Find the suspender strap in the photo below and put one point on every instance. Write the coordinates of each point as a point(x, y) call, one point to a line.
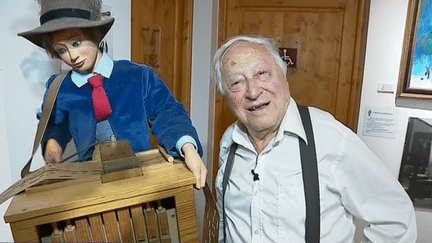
point(46, 113)
point(310, 180)
point(227, 173)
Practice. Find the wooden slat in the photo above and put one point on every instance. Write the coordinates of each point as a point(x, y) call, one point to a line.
point(97, 227)
point(125, 225)
point(151, 222)
point(163, 224)
point(70, 233)
point(56, 236)
point(111, 226)
point(83, 229)
point(138, 222)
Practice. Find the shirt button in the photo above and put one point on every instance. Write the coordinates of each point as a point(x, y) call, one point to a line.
point(256, 193)
point(256, 232)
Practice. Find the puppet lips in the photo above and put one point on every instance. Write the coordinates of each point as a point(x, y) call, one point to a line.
point(79, 65)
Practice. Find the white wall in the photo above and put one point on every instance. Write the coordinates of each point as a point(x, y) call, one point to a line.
point(202, 90)
point(24, 68)
point(5, 173)
point(383, 56)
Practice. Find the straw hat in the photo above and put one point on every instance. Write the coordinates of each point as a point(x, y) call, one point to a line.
point(63, 14)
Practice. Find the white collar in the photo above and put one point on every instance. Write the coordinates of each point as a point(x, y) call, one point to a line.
point(105, 68)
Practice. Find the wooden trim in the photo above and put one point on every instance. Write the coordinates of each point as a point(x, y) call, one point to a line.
point(183, 67)
point(358, 65)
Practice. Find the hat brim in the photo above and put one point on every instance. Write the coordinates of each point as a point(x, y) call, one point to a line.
point(36, 35)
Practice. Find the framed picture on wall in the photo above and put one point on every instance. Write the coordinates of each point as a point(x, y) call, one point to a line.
point(415, 76)
point(415, 173)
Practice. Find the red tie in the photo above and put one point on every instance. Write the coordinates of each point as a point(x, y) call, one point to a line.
point(100, 100)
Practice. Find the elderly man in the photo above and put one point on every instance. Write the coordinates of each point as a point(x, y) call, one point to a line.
point(260, 187)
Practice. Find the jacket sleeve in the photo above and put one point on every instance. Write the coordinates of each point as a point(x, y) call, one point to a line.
point(168, 116)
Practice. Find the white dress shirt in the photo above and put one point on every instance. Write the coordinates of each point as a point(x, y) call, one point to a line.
point(353, 182)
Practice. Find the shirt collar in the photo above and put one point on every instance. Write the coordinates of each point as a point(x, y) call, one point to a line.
point(105, 68)
point(292, 123)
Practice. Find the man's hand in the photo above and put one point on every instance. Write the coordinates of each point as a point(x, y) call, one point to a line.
point(195, 164)
point(53, 152)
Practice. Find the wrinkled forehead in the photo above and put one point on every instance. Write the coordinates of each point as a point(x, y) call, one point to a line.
point(244, 53)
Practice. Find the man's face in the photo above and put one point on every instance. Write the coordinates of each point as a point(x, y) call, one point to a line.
point(255, 88)
point(76, 49)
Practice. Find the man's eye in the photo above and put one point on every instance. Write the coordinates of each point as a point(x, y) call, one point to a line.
point(262, 72)
point(235, 83)
point(236, 86)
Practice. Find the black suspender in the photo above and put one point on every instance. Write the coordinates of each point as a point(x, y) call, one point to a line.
point(227, 173)
point(310, 180)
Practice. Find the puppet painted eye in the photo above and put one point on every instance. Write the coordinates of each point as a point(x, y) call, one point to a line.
point(61, 50)
point(76, 43)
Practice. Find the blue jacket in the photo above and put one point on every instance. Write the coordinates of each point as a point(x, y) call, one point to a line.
point(136, 95)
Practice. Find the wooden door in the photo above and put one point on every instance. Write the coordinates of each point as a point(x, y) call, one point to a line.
point(329, 39)
point(161, 35)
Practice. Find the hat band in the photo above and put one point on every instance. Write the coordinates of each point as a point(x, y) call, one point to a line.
point(63, 13)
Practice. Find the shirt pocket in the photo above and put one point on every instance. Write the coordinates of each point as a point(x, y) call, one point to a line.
point(291, 207)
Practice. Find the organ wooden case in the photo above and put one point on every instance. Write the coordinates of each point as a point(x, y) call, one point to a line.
point(155, 205)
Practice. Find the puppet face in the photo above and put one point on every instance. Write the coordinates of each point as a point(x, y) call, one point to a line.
point(76, 49)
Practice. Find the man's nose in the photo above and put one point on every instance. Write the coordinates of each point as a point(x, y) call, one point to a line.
point(253, 89)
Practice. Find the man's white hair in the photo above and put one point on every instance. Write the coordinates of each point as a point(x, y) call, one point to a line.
point(268, 44)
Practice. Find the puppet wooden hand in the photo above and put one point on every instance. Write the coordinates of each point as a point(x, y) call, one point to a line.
point(53, 152)
point(195, 164)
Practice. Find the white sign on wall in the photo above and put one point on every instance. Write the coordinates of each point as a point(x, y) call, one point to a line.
point(380, 122)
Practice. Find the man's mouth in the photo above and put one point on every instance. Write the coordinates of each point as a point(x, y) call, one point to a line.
point(258, 107)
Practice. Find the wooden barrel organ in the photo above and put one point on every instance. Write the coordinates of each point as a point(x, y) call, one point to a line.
point(155, 205)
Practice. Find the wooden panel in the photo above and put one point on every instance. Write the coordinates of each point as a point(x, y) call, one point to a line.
point(24, 232)
point(162, 38)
